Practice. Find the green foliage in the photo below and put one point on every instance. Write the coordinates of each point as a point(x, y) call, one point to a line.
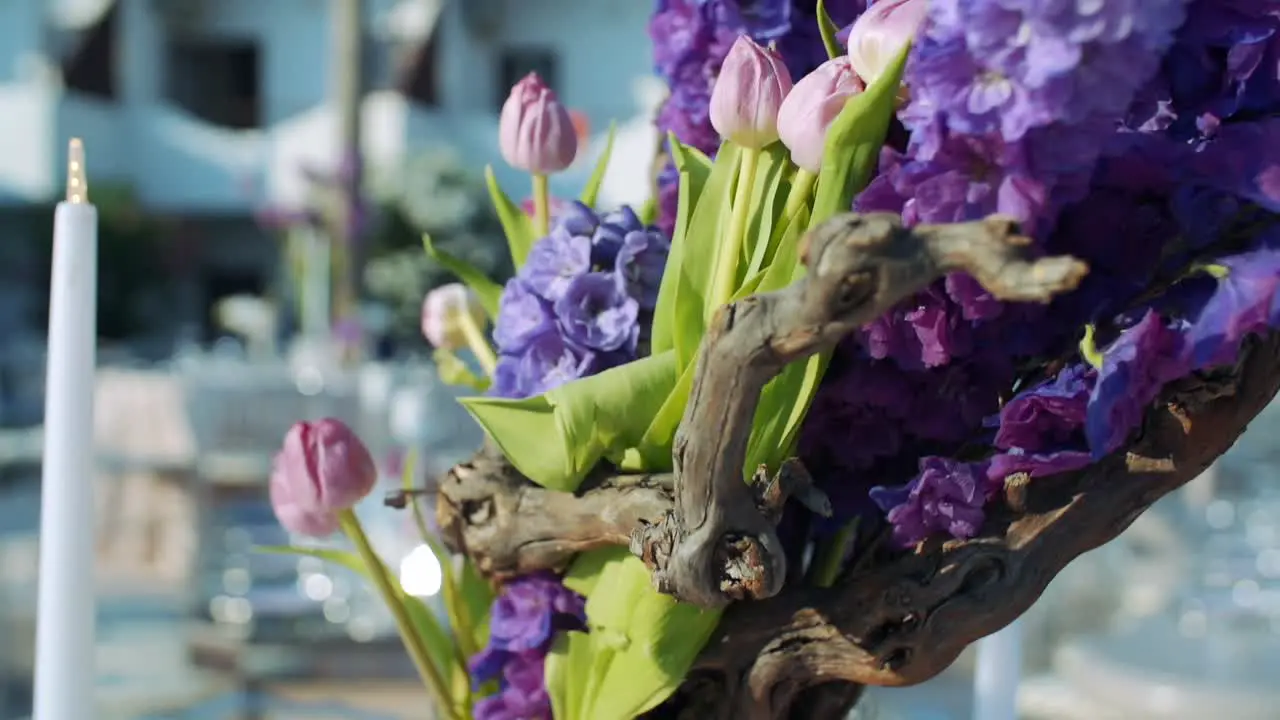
point(430, 195)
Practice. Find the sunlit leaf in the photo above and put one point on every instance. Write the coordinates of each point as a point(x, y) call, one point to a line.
point(592, 189)
point(694, 169)
point(453, 371)
point(487, 291)
point(827, 28)
point(555, 439)
point(516, 225)
point(854, 140)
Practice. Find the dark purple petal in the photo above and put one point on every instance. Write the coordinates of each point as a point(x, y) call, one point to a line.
point(1134, 369)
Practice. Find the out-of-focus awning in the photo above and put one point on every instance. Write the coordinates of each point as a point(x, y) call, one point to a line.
point(77, 14)
point(410, 20)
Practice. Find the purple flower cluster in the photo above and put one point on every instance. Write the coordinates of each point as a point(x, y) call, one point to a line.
point(691, 39)
point(580, 303)
point(524, 618)
point(1115, 132)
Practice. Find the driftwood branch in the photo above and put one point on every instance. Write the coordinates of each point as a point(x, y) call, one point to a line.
point(898, 619)
point(509, 526)
point(718, 545)
point(904, 620)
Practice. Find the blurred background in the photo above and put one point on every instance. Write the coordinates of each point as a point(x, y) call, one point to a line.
point(264, 171)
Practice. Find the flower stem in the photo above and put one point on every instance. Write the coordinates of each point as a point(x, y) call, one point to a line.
point(478, 343)
point(541, 205)
point(722, 285)
point(800, 193)
point(394, 599)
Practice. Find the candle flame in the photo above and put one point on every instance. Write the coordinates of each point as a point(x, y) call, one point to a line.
point(77, 182)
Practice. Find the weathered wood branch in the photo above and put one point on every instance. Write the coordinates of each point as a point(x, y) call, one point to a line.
point(717, 546)
point(900, 618)
point(905, 619)
point(509, 526)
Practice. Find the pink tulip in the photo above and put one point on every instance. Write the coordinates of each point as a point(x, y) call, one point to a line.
point(880, 33)
point(443, 314)
point(322, 470)
point(535, 132)
point(810, 108)
point(748, 92)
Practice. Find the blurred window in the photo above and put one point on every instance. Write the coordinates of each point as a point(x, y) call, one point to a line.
point(217, 79)
point(408, 67)
point(89, 67)
point(516, 62)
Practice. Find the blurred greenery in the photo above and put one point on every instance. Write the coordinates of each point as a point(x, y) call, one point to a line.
point(431, 192)
point(132, 263)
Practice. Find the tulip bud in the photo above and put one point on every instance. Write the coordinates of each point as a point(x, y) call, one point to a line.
point(748, 92)
point(322, 470)
point(535, 132)
point(443, 314)
point(810, 108)
point(880, 33)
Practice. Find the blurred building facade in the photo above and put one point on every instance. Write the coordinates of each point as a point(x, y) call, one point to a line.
point(205, 110)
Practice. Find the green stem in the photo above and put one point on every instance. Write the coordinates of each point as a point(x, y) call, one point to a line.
point(478, 343)
point(731, 244)
point(394, 599)
point(541, 205)
point(459, 615)
point(799, 195)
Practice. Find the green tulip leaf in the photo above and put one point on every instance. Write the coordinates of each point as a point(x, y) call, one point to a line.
point(773, 180)
point(592, 189)
point(648, 213)
point(516, 225)
point(642, 642)
point(566, 665)
point(827, 28)
point(700, 243)
point(454, 371)
point(556, 438)
point(854, 140)
point(488, 292)
point(694, 169)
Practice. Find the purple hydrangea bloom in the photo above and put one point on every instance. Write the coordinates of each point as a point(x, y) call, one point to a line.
point(555, 261)
point(596, 312)
point(1046, 416)
point(578, 305)
point(946, 497)
point(551, 361)
point(1134, 369)
point(639, 264)
point(523, 317)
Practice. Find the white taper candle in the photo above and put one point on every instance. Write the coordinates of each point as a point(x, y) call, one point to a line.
point(65, 637)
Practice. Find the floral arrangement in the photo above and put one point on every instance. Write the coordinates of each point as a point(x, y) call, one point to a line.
point(1053, 302)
